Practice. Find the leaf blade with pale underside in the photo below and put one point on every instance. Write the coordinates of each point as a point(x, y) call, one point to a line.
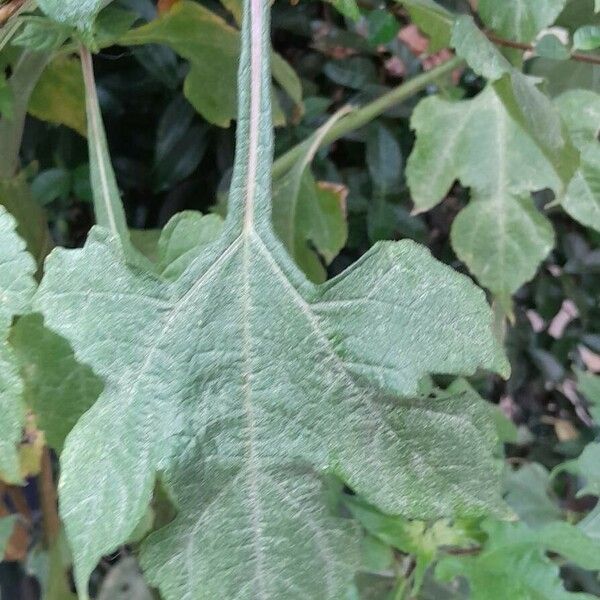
point(242, 383)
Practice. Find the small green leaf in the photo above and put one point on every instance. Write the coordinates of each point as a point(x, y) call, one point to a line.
point(41, 34)
point(589, 385)
point(527, 493)
point(384, 160)
point(51, 185)
point(549, 46)
point(32, 222)
point(212, 46)
point(349, 8)
point(182, 238)
point(587, 38)
point(382, 26)
point(309, 220)
point(520, 20)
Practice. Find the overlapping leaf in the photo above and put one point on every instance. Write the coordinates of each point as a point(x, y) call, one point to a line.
point(309, 220)
point(504, 144)
point(500, 235)
point(58, 96)
point(514, 563)
point(56, 387)
point(212, 47)
point(242, 382)
point(580, 109)
point(17, 285)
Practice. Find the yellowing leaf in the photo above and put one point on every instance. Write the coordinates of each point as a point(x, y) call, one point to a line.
point(59, 95)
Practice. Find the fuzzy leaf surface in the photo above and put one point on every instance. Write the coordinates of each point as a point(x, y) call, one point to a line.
point(76, 13)
point(242, 383)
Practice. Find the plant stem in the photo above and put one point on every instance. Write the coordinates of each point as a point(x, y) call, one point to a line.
point(577, 56)
point(367, 113)
point(107, 199)
point(26, 74)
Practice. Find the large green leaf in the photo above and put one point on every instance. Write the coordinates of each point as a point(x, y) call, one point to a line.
point(242, 382)
point(514, 564)
point(212, 47)
point(500, 235)
point(580, 110)
point(17, 286)
point(520, 20)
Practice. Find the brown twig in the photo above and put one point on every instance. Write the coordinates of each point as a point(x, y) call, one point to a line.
point(586, 58)
point(9, 9)
point(48, 499)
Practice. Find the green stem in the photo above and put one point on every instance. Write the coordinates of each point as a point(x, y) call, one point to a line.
point(107, 199)
point(26, 74)
point(362, 116)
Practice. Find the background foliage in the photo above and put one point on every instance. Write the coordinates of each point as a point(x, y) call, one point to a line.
point(497, 175)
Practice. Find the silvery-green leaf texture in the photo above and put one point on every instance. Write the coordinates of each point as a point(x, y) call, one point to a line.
point(242, 383)
point(76, 13)
point(17, 285)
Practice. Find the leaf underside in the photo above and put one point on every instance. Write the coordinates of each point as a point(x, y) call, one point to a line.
point(242, 383)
